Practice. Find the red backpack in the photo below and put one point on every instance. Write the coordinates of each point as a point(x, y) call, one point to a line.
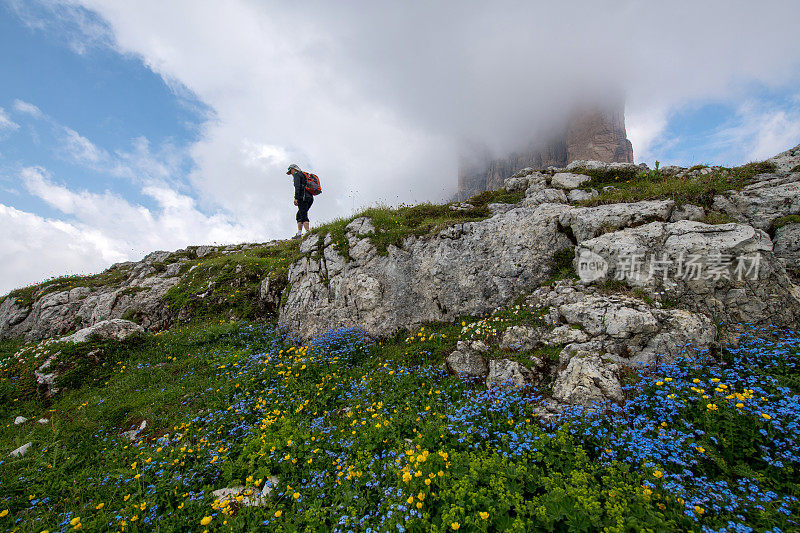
point(312, 184)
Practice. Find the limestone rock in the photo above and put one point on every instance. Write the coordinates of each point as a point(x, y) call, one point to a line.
point(504, 372)
point(521, 338)
point(687, 212)
point(133, 434)
point(467, 362)
point(568, 180)
point(587, 380)
point(545, 196)
point(115, 328)
point(786, 161)
point(589, 222)
point(45, 380)
point(579, 195)
point(20, 420)
point(516, 184)
point(625, 329)
point(787, 246)
point(246, 496)
point(727, 272)
point(761, 203)
point(565, 335)
point(19, 452)
point(465, 269)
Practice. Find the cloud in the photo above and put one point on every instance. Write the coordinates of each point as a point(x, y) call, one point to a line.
point(759, 132)
point(81, 29)
point(27, 108)
point(59, 248)
point(6, 124)
point(97, 229)
point(377, 97)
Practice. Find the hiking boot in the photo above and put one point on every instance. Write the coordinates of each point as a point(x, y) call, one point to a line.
point(297, 236)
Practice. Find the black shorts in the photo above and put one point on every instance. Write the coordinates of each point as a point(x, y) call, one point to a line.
point(302, 209)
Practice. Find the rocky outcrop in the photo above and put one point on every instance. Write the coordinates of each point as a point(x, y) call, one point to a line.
point(588, 379)
point(787, 161)
point(589, 222)
point(116, 328)
point(787, 246)
point(727, 271)
point(134, 291)
point(760, 204)
point(466, 269)
point(621, 328)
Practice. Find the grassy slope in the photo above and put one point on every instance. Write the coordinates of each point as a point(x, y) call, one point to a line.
point(332, 423)
point(376, 435)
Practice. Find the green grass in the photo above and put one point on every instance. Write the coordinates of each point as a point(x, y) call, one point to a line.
point(394, 225)
point(112, 277)
point(699, 190)
point(226, 286)
point(345, 429)
point(783, 221)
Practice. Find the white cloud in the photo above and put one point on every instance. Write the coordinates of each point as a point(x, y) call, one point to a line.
point(58, 247)
point(27, 108)
point(6, 124)
point(758, 132)
point(96, 230)
point(81, 149)
point(375, 96)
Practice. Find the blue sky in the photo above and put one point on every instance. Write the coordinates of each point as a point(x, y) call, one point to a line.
point(110, 99)
point(130, 127)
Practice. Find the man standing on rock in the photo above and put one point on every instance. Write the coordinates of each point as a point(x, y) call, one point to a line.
point(302, 199)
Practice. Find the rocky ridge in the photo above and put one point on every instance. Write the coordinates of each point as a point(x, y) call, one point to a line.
point(656, 277)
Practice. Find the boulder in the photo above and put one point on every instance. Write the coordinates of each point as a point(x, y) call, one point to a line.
point(545, 196)
point(587, 380)
point(579, 195)
point(565, 334)
point(467, 362)
point(516, 184)
point(568, 180)
point(504, 373)
point(761, 203)
point(589, 222)
point(115, 328)
point(787, 246)
point(465, 269)
point(521, 338)
point(727, 272)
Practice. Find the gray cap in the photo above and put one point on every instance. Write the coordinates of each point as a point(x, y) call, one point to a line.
point(292, 167)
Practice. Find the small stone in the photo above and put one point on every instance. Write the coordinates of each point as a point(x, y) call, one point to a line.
point(19, 452)
point(20, 420)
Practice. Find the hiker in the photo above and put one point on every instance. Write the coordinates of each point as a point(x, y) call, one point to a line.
point(302, 199)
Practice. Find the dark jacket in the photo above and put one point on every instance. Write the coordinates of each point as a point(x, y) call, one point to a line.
point(300, 192)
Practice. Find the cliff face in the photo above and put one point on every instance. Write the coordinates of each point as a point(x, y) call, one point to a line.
point(596, 134)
